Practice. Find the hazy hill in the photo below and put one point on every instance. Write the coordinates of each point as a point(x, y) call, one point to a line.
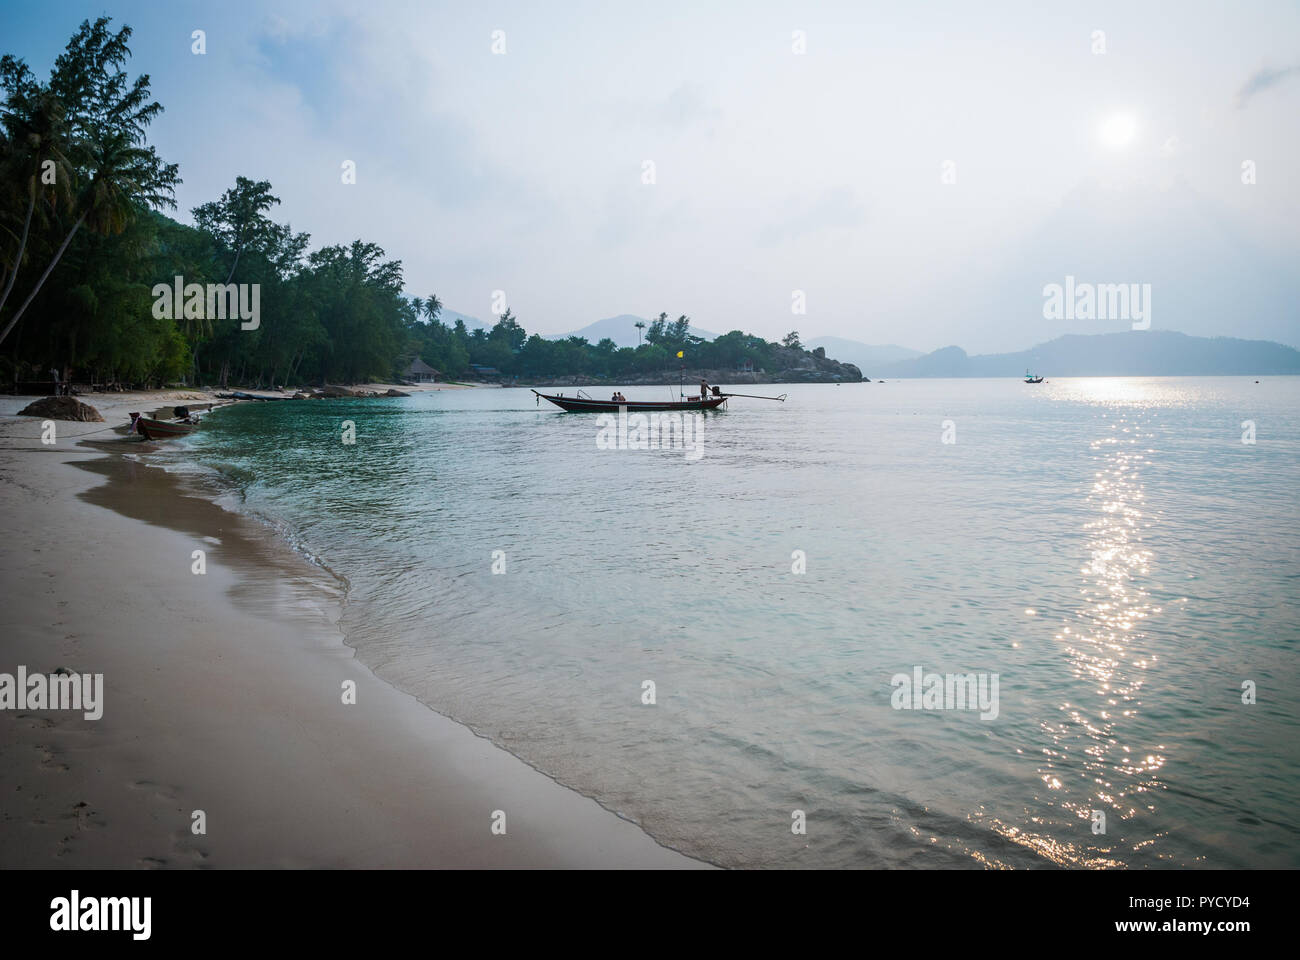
point(1133, 353)
point(865, 356)
point(621, 329)
point(449, 317)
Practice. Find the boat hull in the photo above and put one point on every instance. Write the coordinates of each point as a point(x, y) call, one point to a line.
point(162, 430)
point(581, 405)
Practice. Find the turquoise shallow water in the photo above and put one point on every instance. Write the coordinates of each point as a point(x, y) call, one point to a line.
point(1110, 549)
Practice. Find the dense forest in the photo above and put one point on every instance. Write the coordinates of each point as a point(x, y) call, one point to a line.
point(85, 246)
point(668, 346)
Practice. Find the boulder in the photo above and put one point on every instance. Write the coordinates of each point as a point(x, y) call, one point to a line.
point(62, 408)
point(396, 393)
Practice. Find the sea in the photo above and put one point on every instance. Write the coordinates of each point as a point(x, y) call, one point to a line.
point(756, 645)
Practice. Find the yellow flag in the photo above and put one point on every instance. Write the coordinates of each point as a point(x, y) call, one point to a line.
point(679, 353)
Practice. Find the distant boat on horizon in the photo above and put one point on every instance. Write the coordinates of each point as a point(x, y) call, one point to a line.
point(1029, 378)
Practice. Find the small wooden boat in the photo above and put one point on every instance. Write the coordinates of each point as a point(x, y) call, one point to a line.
point(589, 405)
point(162, 429)
point(241, 395)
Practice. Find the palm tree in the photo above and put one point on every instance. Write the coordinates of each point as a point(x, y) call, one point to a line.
point(433, 307)
point(640, 325)
point(35, 138)
point(91, 118)
point(124, 178)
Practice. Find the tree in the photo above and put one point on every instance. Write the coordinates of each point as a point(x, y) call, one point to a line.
point(123, 177)
point(679, 330)
point(33, 145)
point(657, 325)
point(110, 170)
point(791, 340)
point(508, 331)
point(238, 219)
point(357, 296)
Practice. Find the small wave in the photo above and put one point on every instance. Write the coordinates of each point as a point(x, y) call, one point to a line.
point(228, 485)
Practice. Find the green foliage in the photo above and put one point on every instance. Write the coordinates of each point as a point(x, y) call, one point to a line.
point(509, 349)
point(73, 155)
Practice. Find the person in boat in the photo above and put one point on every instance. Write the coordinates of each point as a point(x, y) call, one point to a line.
point(614, 398)
point(704, 389)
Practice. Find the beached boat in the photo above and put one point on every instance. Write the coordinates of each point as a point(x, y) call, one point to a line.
point(590, 405)
point(241, 395)
point(162, 429)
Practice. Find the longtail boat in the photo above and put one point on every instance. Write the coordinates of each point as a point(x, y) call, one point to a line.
point(589, 405)
point(162, 429)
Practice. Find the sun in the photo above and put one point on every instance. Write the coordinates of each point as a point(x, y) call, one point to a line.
point(1117, 130)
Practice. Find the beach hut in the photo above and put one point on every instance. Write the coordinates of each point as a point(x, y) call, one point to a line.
point(420, 372)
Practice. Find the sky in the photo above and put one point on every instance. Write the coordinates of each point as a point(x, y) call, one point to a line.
point(909, 173)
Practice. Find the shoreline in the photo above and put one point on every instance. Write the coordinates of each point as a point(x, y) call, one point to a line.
point(223, 694)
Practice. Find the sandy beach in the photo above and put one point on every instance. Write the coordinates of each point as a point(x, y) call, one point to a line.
point(223, 693)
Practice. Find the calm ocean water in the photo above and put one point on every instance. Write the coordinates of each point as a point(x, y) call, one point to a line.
point(1110, 548)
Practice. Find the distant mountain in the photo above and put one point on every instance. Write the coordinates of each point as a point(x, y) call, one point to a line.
point(449, 317)
point(1133, 353)
point(867, 357)
point(621, 329)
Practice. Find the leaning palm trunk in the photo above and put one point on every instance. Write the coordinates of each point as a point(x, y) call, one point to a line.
point(231, 275)
point(22, 246)
point(41, 282)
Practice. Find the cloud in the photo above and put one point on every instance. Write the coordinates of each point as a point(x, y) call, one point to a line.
point(1261, 80)
point(685, 108)
point(838, 207)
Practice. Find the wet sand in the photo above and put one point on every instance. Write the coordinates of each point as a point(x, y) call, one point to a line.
point(224, 693)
